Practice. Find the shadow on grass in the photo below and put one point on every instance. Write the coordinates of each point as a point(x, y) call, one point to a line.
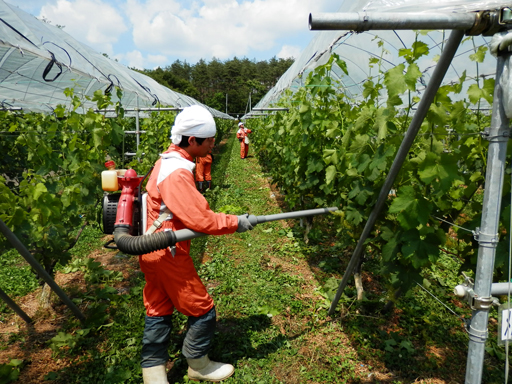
point(233, 341)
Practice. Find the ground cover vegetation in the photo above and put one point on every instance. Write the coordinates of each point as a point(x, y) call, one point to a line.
point(227, 86)
point(273, 285)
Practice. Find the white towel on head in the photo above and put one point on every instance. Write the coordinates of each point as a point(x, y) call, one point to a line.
point(194, 121)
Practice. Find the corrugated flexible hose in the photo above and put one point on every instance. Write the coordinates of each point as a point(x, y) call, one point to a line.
point(139, 245)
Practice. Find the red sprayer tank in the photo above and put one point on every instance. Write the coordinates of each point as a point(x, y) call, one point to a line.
point(129, 185)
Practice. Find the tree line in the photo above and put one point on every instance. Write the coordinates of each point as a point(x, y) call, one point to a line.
point(227, 86)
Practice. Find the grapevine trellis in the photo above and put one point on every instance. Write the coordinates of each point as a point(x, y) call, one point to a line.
point(50, 179)
point(355, 142)
point(52, 160)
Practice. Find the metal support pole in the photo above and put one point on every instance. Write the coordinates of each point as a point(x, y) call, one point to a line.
point(270, 109)
point(172, 109)
point(15, 307)
point(137, 127)
point(365, 21)
point(487, 235)
point(423, 107)
point(39, 269)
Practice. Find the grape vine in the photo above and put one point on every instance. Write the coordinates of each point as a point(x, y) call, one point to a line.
point(50, 174)
point(332, 150)
point(50, 171)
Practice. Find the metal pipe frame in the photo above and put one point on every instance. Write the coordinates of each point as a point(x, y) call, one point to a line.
point(15, 307)
point(140, 109)
point(270, 109)
point(485, 23)
point(365, 21)
point(137, 127)
point(487, 236)
point(501, 289)
point(425, 102)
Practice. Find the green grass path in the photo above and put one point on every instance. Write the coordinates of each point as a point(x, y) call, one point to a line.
point(265, 292)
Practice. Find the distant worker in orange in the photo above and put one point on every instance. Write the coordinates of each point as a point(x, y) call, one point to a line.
point(243, 136)
point(204, 172)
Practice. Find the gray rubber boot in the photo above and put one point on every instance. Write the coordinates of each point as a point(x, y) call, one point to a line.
point(155, 375)
point(207, 370)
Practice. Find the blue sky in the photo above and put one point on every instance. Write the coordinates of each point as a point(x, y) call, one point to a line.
point(152, 33)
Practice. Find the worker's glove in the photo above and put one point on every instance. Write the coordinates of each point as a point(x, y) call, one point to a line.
point(243, 223)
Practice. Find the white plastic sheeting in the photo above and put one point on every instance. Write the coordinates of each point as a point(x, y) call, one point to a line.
point(39, 61)
point(356, 49)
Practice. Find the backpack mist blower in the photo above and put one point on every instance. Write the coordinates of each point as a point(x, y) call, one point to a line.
point(124, 215)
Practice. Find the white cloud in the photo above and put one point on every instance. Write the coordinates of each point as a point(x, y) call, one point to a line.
point(216, 28)
point(288, 51)
point(183, 29)
point(157, 61)
point(93, 22)
point(134, 59)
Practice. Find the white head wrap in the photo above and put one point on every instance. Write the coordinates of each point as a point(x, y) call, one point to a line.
point(194, 121)
point(240, 123)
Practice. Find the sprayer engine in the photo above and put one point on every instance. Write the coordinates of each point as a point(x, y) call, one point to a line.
point(122, 209)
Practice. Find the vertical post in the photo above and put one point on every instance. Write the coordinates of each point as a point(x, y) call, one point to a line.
point(487, 234)
point(423, 107)
point(137, 125)
point(226, 103)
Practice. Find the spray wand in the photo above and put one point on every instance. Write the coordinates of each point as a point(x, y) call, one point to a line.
point(138, 245)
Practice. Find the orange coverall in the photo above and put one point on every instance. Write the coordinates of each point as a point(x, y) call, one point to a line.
point(243, 133)
point(172, 281)
point(204, 168)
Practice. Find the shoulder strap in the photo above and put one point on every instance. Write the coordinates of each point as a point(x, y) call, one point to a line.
point(176, 162)
point(158, 222)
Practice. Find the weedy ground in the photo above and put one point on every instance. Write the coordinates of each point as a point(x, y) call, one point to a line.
point(272, 292)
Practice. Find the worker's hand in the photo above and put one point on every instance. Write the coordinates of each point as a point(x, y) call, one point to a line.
point(243, 223)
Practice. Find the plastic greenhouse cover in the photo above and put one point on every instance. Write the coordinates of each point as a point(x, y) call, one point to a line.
point(38, 61)
point(356, 49)
point(421, 6)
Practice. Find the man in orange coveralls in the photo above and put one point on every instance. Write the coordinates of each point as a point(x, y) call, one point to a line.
point(204, 171)
point(171, 279)
point(242, 136)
